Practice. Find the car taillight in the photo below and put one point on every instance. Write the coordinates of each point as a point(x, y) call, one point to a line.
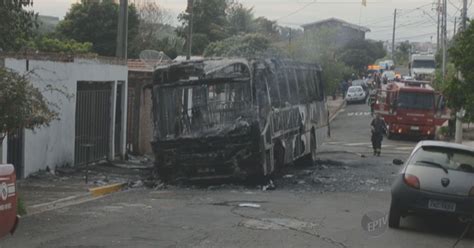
point(412, 181)
point(471, 193)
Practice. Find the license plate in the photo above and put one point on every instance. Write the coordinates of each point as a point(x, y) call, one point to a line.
point(415, 128)
point(442, 205)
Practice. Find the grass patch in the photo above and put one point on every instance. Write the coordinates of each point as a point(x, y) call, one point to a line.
point(20, 207)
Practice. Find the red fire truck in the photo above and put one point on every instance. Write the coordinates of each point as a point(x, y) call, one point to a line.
point(8, 200)
point(411, 108)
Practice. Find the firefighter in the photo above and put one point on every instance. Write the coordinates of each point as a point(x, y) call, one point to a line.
point(378, 128)
point(372, 101)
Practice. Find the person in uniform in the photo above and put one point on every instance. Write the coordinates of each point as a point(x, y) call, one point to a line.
point(378, 128)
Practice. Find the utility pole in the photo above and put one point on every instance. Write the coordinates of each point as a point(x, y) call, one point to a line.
point(444, 38)
point(190, 10)
point(438, 28)
point(393, 34)
point(460, 114)
point(122, 32)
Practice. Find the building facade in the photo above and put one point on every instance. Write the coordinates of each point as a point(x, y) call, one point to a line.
point(92, 114)
point(338, 31)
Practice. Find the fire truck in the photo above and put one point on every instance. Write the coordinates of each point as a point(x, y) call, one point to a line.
point(411, 108)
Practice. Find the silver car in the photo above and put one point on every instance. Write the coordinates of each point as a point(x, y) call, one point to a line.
point(438, 177)
point(355, 94)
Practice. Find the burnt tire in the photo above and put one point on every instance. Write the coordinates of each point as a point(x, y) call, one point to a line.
point(394, 216)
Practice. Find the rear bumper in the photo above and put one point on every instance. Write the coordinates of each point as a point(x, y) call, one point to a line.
point(412, 130)
point(355, 99)
point(413, 201)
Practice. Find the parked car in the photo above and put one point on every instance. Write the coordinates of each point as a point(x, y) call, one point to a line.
point(438, 178)
point(363, 83)
point(355, 94)
point(8, 200)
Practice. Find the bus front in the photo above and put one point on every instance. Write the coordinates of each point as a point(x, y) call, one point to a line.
point(204, 121)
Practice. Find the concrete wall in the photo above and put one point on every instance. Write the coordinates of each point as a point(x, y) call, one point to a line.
point(54, 145)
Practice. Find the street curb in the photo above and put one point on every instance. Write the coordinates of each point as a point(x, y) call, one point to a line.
point(93, 194)
point(338, 110)
point(107, 189)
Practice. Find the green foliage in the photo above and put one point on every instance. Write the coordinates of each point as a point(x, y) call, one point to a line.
point(210, 20)
point(266, 27)
point(20, 207)
point(462, 55)
point(45, 44)
point(96, 22)
point(248, 46)
point(360, 53)
point(21, 104)
point(402, 53)
point(16, 25)
point(319, 48)
point(240, 19)
point(154, 32)
point(460, 91)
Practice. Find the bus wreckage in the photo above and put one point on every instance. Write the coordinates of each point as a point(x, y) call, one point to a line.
point(235, 117)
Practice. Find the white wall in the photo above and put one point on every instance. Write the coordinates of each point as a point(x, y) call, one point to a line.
point(54, 145)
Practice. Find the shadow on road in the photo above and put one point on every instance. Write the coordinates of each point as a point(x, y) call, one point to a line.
point(441, 226)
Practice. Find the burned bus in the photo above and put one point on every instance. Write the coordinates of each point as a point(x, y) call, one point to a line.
point(235, 117)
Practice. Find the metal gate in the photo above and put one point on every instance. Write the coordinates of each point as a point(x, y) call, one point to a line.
point(15, 146)
point(93, 116)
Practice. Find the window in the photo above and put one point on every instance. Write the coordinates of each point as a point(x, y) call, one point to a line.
point(302, 86)
point(293, 86)
point(452, 159)
point(414, 100)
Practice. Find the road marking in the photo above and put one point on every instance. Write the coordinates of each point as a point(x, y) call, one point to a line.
point(358, 114)
point(357, 144)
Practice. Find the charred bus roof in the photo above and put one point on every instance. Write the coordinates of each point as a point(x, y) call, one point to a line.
point(194, 71)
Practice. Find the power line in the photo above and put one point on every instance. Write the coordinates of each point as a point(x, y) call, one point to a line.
point(296, 11)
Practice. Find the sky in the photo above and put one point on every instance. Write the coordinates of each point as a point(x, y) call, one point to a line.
point(416, 19)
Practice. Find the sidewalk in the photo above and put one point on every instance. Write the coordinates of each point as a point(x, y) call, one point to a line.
point(49, 190)
point(334, 106)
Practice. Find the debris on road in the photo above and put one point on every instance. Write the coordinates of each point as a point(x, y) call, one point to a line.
point(249, 205)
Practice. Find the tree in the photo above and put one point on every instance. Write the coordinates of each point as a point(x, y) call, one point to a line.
point(16, 25)
point(319, 48)
point(46, 44)
point(266, 27)
point(247, 46)
point(96, 22)
point(21, 104)
point(154, 31)
point(460, 92)
point(402, 53)
point(360, 53)
point(240, 19)
point(209, 23)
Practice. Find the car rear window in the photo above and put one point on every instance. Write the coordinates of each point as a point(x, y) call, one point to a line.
point(449, 158)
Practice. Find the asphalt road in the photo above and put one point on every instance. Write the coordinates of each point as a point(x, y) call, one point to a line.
point(319, 205)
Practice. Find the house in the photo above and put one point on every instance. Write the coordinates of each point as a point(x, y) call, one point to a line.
point(339, 31)
point(92, 123)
